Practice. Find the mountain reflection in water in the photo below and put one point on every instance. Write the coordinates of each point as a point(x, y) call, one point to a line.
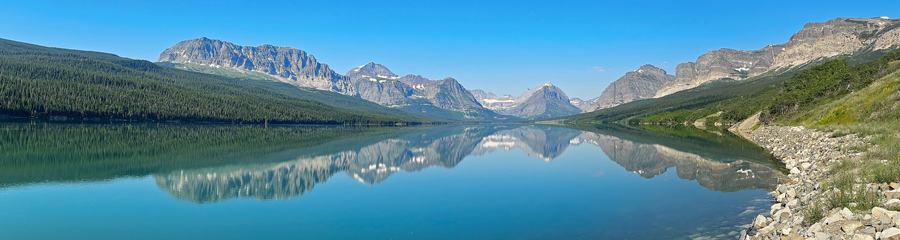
point(206, 164)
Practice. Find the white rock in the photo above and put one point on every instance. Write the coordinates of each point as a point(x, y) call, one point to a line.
point(786, 231)
point(846, 213)
point(877, 212)
point(862, 237)
point(805, 165)
point(759, 222)
point(892, 202)
point(766, 230)
point(893, 194)
point(815, 228)
point(793, 203)
point(834, 218)
point(783, 215)
point(891, 234)
point(850, 227)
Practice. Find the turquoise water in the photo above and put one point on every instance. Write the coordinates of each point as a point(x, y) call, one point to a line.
point(457, 182)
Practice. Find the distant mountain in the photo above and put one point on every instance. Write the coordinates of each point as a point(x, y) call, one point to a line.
point(378, 84)
point(635, 85)
point(545, 101)
point(581, 104)
point(371, 69)
point(815, 42)
point(442, 99)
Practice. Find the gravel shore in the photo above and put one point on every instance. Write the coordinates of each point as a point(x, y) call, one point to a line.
point(807, 154)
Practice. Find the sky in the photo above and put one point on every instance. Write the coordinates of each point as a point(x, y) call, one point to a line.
point(505, 47)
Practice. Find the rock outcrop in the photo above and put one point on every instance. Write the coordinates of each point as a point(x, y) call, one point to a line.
point(815, 42)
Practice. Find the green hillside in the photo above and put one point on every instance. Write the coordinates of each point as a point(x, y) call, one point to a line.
point(730, 101)
point(51, 83)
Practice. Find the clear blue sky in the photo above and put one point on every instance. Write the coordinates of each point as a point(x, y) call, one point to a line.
point(503, 47)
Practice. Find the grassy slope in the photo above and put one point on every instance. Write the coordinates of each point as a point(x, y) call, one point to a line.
point(737, 100)
point(874, 112)
point(41, 82)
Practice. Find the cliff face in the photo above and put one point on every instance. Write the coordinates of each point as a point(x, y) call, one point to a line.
point(291, 65)
point(719, 64)
point(816, 41)
point(838, 37)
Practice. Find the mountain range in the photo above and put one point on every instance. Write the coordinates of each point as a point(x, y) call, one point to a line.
point(446, 97)
point(814, 43)
point(442, 99)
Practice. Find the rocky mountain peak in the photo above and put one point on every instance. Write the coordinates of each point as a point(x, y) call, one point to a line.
point(371, 69)
point(638, 84)
point(648, 69)
point(293, 66)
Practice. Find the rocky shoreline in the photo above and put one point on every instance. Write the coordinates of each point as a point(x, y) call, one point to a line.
point(807, 154)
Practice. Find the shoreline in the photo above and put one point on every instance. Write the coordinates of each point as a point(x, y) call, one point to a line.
point(808, 155)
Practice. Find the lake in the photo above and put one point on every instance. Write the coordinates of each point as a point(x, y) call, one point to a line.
point(162, 181)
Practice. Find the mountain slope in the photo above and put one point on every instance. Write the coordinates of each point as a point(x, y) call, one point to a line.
point(814, 43)
point(43, 82)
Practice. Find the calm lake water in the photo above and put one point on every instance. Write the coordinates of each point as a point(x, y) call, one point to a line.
point(70, 181)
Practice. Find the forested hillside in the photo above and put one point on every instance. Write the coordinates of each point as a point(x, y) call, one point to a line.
point(50, 83)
